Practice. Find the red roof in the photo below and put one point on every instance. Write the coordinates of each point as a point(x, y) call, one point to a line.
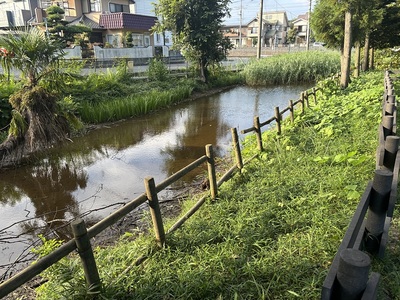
point(126, 21)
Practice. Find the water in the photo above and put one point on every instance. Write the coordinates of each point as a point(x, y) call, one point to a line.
point(95, 174)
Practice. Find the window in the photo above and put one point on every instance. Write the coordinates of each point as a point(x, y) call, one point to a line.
point(116, 8)
point(254, 30)
point(137, 40)
point(158, 37)
point(94, 5)
point(146, 40)
point(114, 40)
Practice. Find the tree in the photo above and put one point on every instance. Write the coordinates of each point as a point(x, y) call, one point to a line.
point(195, 25)
point(341, 23)
point(60, 30)
point(37, 121)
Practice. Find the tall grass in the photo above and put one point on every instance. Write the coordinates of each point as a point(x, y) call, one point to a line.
point(294, 67)
point(131, 106)
point(273, 231)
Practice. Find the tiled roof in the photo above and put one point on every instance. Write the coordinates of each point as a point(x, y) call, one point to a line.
point(86, 21)
point(126, 21)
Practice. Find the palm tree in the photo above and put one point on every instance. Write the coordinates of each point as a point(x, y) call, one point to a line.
point(36, 122)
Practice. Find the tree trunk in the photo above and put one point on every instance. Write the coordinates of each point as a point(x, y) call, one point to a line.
point(345, 67)
point(365, 65)
point(357, 60)
point(371, 58)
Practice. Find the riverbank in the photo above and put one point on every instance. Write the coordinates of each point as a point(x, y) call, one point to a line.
point(276, 227)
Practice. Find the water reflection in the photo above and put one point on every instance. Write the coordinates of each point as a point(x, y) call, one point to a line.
point(106, 167)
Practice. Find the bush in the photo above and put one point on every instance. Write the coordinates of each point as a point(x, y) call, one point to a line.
point(158, 71)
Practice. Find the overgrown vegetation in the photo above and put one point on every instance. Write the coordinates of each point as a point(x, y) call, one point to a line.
point(292, 68)
point(274, 230)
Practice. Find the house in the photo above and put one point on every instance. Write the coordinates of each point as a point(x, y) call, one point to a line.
point(110, 20)
point(274, 29)
point(237, 34)
point(300, 25)
point(15, 14)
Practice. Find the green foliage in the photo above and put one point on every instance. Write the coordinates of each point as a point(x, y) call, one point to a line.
point(386, 59)
point(33, 54)
point(157, 70)
point(6, 89)
point(292, 68)
point(196, 27)
point(327, 21)
point(274, 230)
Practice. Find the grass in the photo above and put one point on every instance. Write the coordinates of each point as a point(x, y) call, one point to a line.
point(273, 231)
point(290, 68)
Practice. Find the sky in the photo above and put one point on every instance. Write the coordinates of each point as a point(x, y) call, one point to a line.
point(250, 9)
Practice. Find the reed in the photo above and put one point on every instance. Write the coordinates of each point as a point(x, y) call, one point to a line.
point(292, 68)
point(134, 105)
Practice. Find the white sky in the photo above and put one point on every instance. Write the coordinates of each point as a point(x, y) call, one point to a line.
point(250, 9)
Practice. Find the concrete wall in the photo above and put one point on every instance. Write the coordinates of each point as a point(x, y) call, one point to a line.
point(75, 52)
point(111, 53)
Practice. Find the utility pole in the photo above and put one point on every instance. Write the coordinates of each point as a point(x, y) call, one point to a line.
point(240, 25)
point(309, 27)
point(259, 30)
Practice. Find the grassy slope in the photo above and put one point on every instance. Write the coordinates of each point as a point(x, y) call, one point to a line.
point(274, 230)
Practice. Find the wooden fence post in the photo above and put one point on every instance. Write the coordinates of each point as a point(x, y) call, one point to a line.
point(306, 97)
point(315, 95)
point(155, 210)
point(236, 147)
point(352, 273)
point(302, 103)
point(291, 111)
point(378, 205)
point(86, 254)
point(256, 122)
point(278, 120)
point(211, 171)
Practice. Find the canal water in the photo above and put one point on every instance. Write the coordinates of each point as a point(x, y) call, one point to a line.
point(97, 173)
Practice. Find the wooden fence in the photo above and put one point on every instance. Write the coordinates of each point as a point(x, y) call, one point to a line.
point(349, 276)
point(82, 235)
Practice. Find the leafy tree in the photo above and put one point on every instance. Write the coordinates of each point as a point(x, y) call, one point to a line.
point(196, 24)
point(341, 23)
point(37, 121)
point(385, 33)
point(291, 36)
point(59, 29)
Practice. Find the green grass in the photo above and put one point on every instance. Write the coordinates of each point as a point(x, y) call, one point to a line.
point(274, 230)
point(292, 68)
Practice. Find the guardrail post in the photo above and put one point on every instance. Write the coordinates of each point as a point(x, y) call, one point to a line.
point(86, 254)
point(390, 153)
point(256, 124)
point(211, 171)
point(378, 205)
point(236, 147)
point(155, 211)
point(291, 111)
point(387, 124)
point(352, 273)
point(278, 120)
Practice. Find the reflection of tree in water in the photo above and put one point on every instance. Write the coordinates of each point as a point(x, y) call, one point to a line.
point(49, 187)
point(202, 126)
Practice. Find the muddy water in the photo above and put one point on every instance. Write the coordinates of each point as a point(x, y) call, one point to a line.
point(97, 173)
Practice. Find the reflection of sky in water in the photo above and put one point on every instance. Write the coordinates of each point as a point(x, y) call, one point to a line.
point(162, 143)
